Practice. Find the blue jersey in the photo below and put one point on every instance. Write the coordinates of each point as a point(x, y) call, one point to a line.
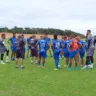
point(66, 45)
point(56, 44)
point(82, 48)
point(28, 40)
point(42, 44)
point(47, 39)
point(12, 41)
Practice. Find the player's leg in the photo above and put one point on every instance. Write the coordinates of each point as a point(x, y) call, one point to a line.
point(43, 62)
point(31, 53)
point(2, 58)
point(87, 62)
point(36, 59)
point(82, 58)
point(56, 58)
point(92, 61)
point(61, 55)
point(13, 53)
point(76, 62)
point(67, 61)
point(17, 57)
point(7, 56)
point(39, 61)
point(22, 59)
point(43, 58)
point(71, 56)
point(66, 55)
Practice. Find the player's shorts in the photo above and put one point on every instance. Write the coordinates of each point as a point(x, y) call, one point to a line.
point(20, 54)
point(13, 49)
point(81, 53)
point(34, 53)
point(42, 54)
point(66, 53)
point(56, 54)
point(72, 54)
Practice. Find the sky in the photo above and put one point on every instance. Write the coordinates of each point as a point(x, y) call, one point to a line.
point(76, 15)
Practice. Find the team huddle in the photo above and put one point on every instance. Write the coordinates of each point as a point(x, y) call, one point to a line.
point(71, 48)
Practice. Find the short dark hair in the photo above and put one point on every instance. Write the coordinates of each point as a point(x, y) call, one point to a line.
point(55, 36)
point(2, 35)
point(89, 31)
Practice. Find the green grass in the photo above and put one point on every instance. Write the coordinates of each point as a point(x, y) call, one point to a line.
point(33, 81)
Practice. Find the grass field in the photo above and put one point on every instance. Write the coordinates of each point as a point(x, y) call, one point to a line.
point(33, 81)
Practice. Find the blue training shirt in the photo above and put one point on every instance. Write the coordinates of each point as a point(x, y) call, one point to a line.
point(42, 44)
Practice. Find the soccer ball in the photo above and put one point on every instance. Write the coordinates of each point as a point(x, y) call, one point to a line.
point(59, 66)
point(90, 66)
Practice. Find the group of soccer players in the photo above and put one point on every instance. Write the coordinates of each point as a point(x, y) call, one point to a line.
point(71, 48)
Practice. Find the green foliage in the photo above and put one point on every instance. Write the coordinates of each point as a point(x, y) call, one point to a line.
point(50, 31)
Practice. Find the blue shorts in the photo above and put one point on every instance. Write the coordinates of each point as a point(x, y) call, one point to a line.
point(56, 54)
point(42, 54)
point(81, 53)
point(66, 53)
point(13, 49)
point(72, 54)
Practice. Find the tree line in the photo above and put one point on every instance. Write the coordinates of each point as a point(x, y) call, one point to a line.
point(50, 31)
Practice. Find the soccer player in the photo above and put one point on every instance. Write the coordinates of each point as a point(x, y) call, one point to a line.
point(3, 47)
point(81, 50)
point(34, 48)
point(89, 50)
point(42, 44)
point(65, 46)
point(13, 47)
point(20, 44)
point(49, 42)
point(56, 47)
point(73, 50)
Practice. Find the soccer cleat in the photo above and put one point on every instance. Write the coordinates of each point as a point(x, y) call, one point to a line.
point(83, 68)
point(2, 63)
point(76, 68)
point(38, 65)
point(56, 69)
point(22, 67)
point(69, 69)
point(16, 66)
point(7, 61)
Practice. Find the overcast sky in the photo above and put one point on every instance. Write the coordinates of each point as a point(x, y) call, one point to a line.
point(77, 15)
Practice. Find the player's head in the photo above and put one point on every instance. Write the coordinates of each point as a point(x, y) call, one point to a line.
point(46, 35)
point(22, 35)
point(55, 36)
point(3, 36)
point(64, 38)
point(14, 34)
point(19, 37)
point(88, 32)
point(33, 36)
point(41, 37)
